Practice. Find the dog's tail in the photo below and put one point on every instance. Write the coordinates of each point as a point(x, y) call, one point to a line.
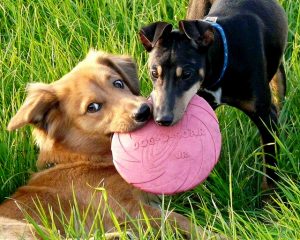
point(198, 9)
point(278, 87)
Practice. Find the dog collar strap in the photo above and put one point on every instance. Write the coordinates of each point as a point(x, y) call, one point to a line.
point(213, 22)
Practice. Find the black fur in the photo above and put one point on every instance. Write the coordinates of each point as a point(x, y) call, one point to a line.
point(256, 32)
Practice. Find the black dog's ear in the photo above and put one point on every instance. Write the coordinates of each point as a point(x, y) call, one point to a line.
point(199, 31)
point(150, 34)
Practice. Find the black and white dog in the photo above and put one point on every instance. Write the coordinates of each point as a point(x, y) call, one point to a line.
point(232, 56)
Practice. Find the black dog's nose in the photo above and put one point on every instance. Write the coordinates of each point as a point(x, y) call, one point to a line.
point(143, 113)
point(164, 120)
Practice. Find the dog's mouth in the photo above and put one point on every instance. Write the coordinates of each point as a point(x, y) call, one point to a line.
point(166, 118)
point(133, 120)
point(130, 127)
point(168, 112)
point(162, 111)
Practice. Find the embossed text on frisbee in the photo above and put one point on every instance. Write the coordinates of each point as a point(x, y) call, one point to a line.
point(163, 138)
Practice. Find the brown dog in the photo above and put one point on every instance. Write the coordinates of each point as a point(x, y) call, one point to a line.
point(73, 121)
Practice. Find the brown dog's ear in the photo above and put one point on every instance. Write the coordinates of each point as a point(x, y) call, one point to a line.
point(199, 31)
point(124, 66)
point(150, 34)
point(40, 99)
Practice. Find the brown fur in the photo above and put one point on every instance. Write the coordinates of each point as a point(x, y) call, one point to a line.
point(198, 9)
point(77, 144)
point(13, 229)
point(278, 87)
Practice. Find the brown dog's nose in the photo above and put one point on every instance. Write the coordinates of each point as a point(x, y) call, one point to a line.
point(164, 120)
point(143, 113)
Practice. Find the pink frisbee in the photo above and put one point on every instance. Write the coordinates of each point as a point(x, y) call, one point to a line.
point(169, 160)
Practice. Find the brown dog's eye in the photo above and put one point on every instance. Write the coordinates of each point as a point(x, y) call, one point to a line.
point(118, 84)
point(94, 107)
point(154, 73)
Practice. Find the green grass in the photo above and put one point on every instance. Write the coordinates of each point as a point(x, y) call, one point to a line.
point(42, 40)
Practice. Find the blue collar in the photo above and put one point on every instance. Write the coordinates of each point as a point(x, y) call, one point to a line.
point(213, 22)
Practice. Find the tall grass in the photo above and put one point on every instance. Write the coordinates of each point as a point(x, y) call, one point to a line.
point(42, 40)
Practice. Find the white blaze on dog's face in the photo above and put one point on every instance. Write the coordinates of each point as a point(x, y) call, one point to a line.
point(82, 109)
point(177, 63)
point(176, 79)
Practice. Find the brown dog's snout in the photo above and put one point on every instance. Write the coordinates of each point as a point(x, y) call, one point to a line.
point(143, 113)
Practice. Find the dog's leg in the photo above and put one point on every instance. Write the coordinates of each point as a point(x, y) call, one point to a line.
point(198, 9)
point(265, 118)
point(182, 223)
point(117, 236)
point(14, 229)
point(278, 87)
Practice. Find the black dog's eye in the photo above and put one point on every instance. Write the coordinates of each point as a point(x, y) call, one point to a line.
point(154, 73)
point(94, 107)
point(186, 74)
point(118, 84)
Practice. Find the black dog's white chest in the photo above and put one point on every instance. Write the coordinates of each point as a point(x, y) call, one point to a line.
point(214, 98)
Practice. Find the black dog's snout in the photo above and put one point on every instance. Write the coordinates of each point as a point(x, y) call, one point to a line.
point(164, 120)
point(143, 113)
